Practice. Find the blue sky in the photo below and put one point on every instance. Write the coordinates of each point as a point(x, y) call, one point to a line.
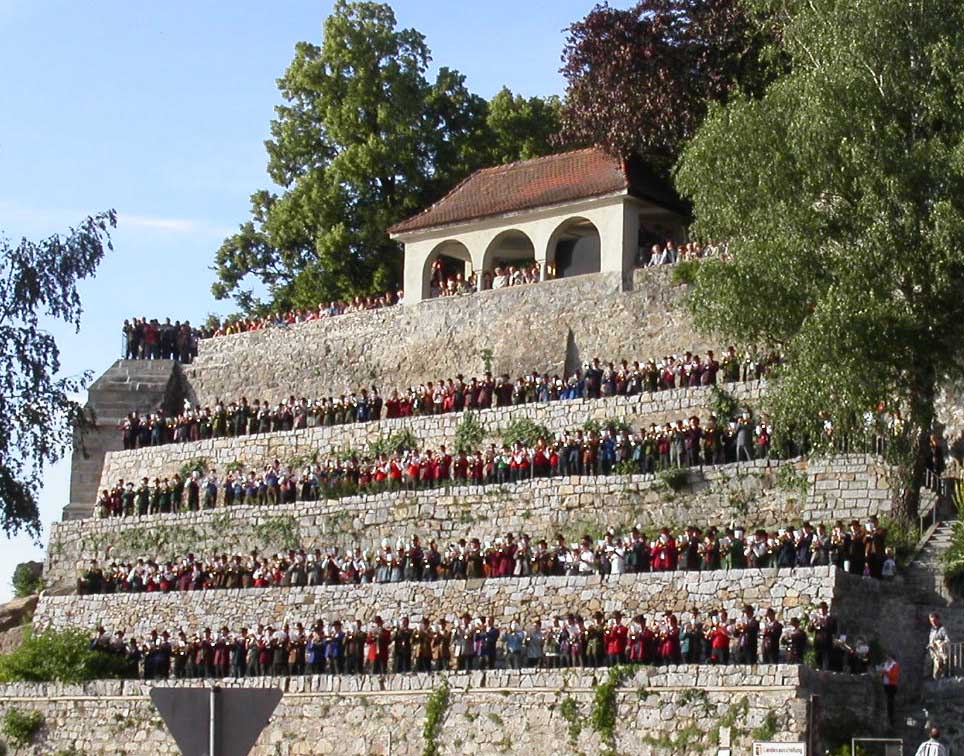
point(160, 110)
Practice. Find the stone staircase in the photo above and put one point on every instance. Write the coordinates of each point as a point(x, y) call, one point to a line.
point(925, 573)
point(128, 385)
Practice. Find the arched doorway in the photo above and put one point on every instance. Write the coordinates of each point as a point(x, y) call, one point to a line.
point(574, 249)
point(509, 252)
point(448, 265)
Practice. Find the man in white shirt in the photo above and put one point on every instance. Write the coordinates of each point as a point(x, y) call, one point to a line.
point(932, 747)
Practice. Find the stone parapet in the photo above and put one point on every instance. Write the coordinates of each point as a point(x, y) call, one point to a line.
point(526, 599)
point(432, 431)
point(664, 711)
point(761, 493)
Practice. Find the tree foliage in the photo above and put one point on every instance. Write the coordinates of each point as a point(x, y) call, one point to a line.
point(639, 80)
point(521, 128)
point(362, 140)
point(842, 194)
point(59, 656)
point(37, 417)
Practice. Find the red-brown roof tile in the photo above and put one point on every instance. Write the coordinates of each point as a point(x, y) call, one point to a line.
point(551, 180)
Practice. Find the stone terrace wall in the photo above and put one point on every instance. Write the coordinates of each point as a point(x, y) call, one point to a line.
point(431, 430)
point(751, 493)
point(525, 599)
point(544, 327)
point(661, 712)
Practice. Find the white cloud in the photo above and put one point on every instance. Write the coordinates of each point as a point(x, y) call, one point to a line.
point(52, 220)
point(171, 225)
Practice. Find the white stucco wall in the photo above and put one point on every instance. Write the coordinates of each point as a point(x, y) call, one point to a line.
point(616, 218)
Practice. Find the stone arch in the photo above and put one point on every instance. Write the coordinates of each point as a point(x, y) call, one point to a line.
point(574, 248)
point(452, 257)
point(509, 247)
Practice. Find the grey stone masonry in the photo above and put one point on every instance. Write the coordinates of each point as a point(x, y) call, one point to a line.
point(256, 451)
point(129, 385)
point(549, 327)
point(526, 599)
point(749, 493)
point(657, 712)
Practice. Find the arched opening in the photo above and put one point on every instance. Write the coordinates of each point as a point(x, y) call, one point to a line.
point(448, 269)
point(509, 259)
point(574, 249)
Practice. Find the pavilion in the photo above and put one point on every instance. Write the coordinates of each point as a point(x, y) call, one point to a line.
point(572, 213)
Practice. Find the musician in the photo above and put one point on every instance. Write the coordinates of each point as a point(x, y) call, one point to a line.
point(748, 631)
point(937, 646)
point(824, 627)
point(772, 631)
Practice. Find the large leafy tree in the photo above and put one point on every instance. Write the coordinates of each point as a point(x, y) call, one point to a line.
point(37, 417)
point(639, 80)
point(362, 140)
point(521, 128)
point(842, 194)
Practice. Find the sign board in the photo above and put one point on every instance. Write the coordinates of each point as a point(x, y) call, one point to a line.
point(779, 749)
point(215, 721)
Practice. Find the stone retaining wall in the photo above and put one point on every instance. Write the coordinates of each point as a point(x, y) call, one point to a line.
point(749, 493)
point(551, 326)
point(254, 452)
point(658, 712)
point(524, 599)
point(666, 711)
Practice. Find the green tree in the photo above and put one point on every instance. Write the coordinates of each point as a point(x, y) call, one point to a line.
point(520, 128)
point(361, 141)
point(842, 194)
point(37, 417)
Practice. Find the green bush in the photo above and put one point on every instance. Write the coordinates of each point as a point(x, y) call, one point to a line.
point(25, 581)
point(59, 655)
point(524, 431)
point(686, 272)
point(20, 727)
point(199, 464)
point(723, 404)
point(902, 536)
point(675, 478)
point(469, 434)
point(394, 443)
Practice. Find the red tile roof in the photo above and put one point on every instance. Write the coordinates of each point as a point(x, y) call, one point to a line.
point(550, 180)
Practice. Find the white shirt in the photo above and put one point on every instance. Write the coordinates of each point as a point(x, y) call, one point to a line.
point(932, 748)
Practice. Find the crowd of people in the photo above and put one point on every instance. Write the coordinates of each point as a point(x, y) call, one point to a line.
point(593, 381)
point(442, 284)
point(592, 451)
point(143, 339)
point(468, 643)
point(859, 548)
point(671, 253)
point(292, 317)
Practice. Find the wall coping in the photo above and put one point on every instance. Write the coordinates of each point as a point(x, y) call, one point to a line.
point(669, 678)
point(290, 595)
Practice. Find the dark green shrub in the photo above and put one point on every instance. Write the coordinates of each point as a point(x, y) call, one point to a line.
point(59, 655)
point(21, 727)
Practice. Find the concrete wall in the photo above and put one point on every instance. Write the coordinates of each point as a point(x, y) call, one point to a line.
point(525, 599)
point(537, 327)
point(756, 493)
point(664, 712)
point(431, 430)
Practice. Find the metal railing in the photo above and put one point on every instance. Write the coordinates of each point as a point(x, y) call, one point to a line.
point(955, 659)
